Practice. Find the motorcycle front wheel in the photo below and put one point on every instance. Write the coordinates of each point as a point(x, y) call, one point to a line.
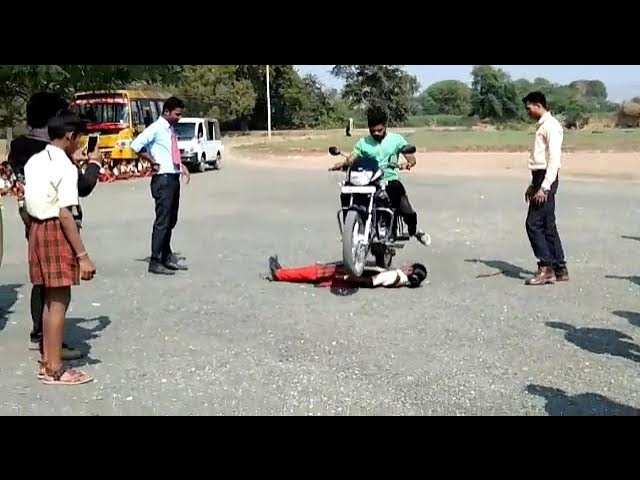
point(353, 254)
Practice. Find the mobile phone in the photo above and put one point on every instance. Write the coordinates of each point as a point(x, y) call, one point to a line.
point(92, 144)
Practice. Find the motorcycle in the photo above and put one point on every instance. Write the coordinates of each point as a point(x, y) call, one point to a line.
point(367, 221)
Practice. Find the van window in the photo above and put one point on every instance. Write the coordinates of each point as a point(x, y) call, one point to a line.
point(201, 131)
point(214, 133)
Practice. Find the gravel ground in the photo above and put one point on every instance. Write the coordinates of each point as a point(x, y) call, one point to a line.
point(220, 340)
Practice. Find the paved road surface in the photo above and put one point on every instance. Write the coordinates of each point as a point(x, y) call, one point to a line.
point(219, 340)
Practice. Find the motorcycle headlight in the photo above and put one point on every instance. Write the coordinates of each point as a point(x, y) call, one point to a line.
point(360, 179)
point(122, 144)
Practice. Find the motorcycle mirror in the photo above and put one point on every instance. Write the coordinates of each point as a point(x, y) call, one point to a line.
point(409, 150)
point(334, 151)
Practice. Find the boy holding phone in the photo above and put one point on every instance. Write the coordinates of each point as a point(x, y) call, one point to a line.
point(57, 257)
point(41, 107)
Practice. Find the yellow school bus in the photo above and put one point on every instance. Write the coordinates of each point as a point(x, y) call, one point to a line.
point(118, 117)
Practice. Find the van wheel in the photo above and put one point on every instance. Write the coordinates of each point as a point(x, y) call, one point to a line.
point(217, 165)
point(202, 166)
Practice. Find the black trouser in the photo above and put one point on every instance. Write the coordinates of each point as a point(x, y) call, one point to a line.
point(400, 202)
point(165, 190)
point(37, 311)
point(541, 226)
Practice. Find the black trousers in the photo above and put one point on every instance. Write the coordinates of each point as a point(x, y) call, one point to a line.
point(400, 201)
point(37, 312)
point(165, 190)
point(541, 226)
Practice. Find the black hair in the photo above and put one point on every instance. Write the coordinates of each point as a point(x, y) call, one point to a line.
point(64, 123)
point(536, 97)
point(42, 106)
point(172, 104)
point(376, 116)
point(418, 275)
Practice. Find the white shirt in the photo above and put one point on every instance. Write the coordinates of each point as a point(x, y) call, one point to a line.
point(51, 183)
point(547, 149)
point(391, 279)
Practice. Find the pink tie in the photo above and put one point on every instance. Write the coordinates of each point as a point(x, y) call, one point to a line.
point(175, 150)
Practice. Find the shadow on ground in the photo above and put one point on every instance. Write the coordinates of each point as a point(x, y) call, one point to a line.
point(178, 255)
point(80, 336)
point(8, 298)
point(628, 237)
point(602, 341)
point(631, 278)
point(560, 404)
point(632, 317)
point(504, 268)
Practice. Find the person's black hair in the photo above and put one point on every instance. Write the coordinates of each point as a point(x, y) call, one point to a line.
point(42, 106)
point(376, 116)
point(172, 104)
point(536, 97)
point(418, 275)
point(64, 123)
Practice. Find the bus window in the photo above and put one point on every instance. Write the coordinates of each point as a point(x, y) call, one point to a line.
point(154, 110)
point(136, 116)
point(146, 112)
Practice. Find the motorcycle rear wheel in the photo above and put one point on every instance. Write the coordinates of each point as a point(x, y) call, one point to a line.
point(353, 255)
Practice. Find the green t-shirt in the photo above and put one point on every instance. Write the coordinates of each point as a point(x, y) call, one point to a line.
point(386, 153)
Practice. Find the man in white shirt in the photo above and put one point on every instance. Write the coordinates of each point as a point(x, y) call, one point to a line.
point(545, 163)
point(57, 256)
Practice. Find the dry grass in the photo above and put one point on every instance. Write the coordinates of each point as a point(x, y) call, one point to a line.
point(606, 140)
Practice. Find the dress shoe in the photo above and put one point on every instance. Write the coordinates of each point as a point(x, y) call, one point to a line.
point(562, 274)
point(159, 269)
point(176, 267)
point(545, 276)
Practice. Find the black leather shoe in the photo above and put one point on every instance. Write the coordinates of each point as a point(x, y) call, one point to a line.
point(176, 267)
point(176, 259)
point(274, 266)
point(159, 269)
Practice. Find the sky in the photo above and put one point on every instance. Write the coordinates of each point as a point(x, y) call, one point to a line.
point(622, 81)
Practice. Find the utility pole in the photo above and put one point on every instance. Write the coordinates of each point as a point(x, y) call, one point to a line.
point(269, 102)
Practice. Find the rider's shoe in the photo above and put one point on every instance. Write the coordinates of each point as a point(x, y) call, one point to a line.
point(423, 237)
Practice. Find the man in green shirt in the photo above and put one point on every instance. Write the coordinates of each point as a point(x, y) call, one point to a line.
point(385, 148)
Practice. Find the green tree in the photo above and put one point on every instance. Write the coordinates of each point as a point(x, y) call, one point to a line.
point(19, 82)
point(567, 102)
point(494, 95)
point(594, 93)
point(450, 97)
point(386, 86)
point(219, 91)
point(425, 104)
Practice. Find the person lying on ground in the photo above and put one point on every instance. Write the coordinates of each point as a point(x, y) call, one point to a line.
point(334, 275)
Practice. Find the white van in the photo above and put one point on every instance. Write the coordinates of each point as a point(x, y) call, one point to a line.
point(200, 143)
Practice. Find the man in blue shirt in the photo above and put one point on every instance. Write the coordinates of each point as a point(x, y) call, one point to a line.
point(158, 144)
